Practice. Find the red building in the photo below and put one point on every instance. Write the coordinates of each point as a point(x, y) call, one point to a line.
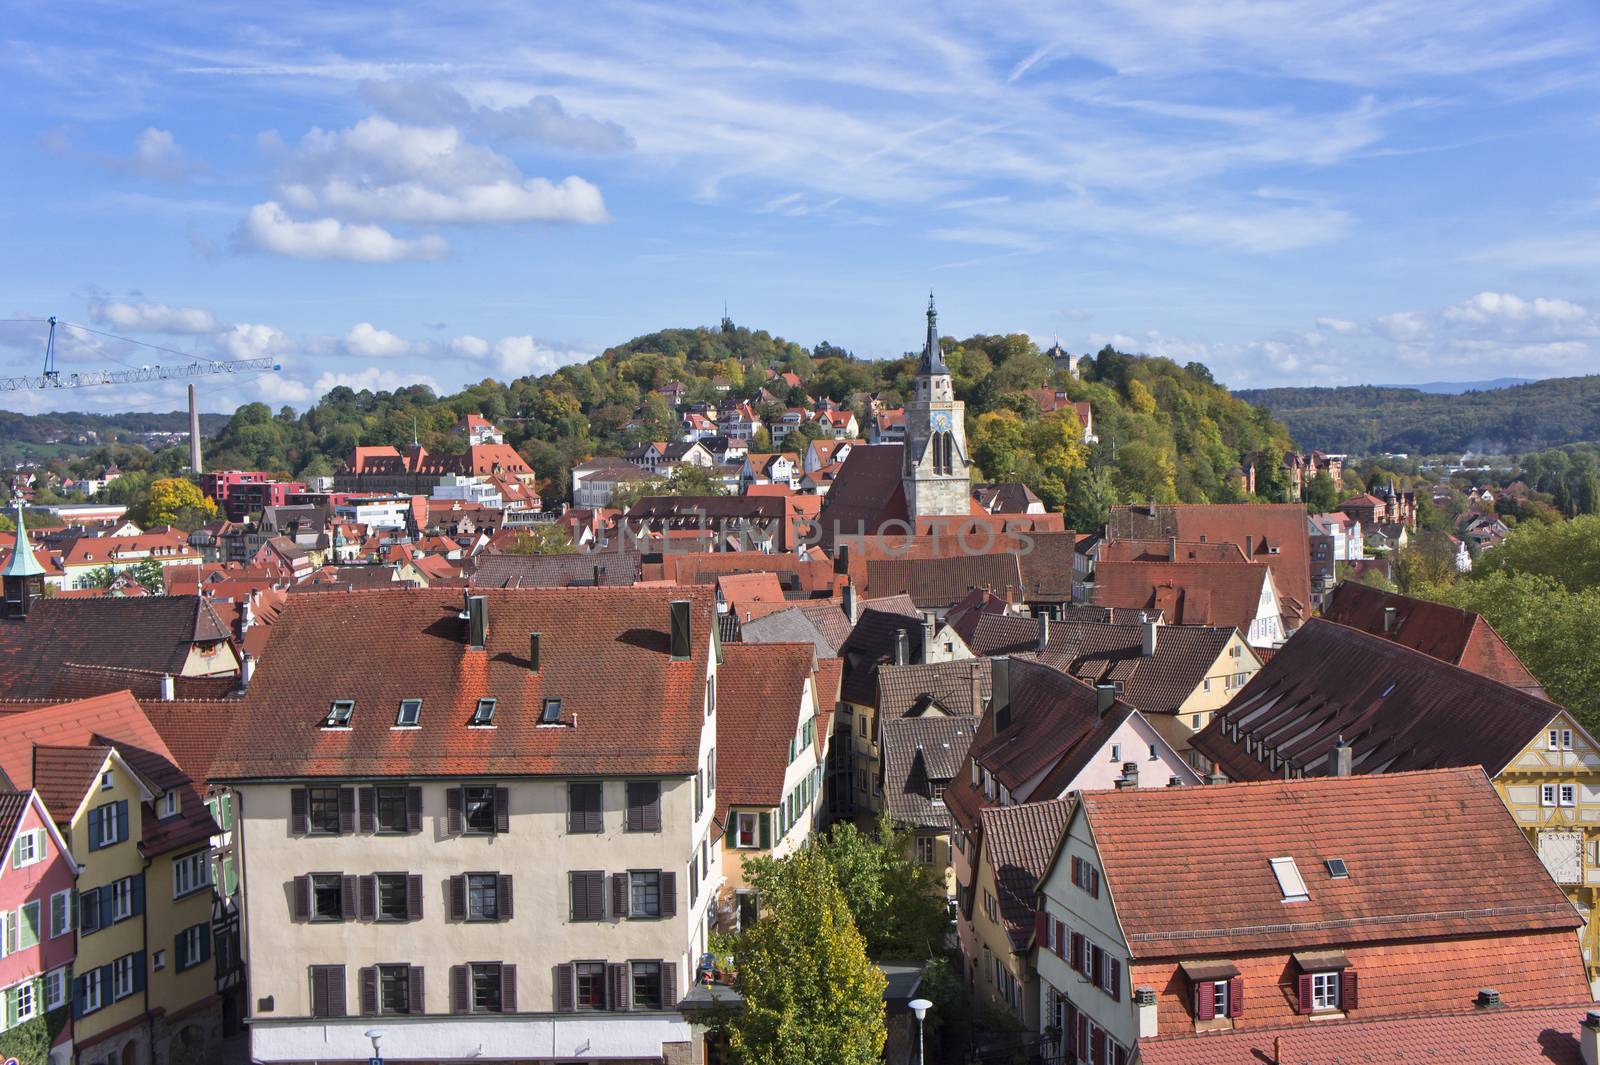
point(36, 885)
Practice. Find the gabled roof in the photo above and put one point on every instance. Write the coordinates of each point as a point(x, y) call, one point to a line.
point(867, 492)
point(820, 623)
point(13, 804)
point(958, 687)
point(1189, 868)
point(759, 690)
point(872, 642)
point(1018, 842)
point(939, 583)
point(917, 751)
point(1398, 709)
point(615, 569)
point(750, 594)
point(1170, 551)
point(1188, 593)
point(627, 705)
point(63, 776)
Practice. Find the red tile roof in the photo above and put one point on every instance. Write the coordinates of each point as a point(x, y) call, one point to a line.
point(940, 583)
point(1189, 867)
point(1187, 593)
point(759, 688)
point(63, 775)
point(1167, 550)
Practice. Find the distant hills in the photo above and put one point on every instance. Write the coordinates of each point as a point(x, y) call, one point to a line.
point(1365, 419)
point(1455, 388)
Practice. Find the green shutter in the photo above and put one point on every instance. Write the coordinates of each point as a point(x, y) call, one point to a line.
point(230, 877)
point(11, 1008)
point(227, 811)
point(765, 836)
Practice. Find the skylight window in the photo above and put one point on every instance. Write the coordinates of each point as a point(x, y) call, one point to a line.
point(483, 716)
point(410, 713)
point(1337, 869)
point(339, 713)
point(552, 712)
point(1289, 880)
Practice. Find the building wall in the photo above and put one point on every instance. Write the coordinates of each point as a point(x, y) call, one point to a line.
point(1219, 686)
point(1013, 986)
point(179, 994)
point(1133, 741)
point(867, 785)
point(52, 873)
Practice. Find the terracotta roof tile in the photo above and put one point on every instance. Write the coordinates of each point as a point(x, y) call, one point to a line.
point(917, 750)
point(939, 583)
point(13, 804)
point(1187, 593)
point(759, 687)
point(1018, 842)
point(63, 775)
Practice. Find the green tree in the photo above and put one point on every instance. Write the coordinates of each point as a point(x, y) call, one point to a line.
point(1322, 495)
point(1429, 559)
point(1567, 552)
point(895, 901)
point(546, 539)
point(1090, 497)
point(810, 993)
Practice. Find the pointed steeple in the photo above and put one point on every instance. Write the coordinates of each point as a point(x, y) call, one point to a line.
point(932, 354)
point(21, 563)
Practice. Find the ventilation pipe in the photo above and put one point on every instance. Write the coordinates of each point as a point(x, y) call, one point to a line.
point(1172, 549)
point(169, 688)
point(850, 607)
point(1104, 696)
point(1589, 1038)
point(902, 647)
point(1389, 615)
point(1149, 645)
point(247, 671)
point(1342, 760)
point(477, 622)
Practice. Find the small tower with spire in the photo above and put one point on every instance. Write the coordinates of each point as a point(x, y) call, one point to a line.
point(22, 576)
point(934, 470)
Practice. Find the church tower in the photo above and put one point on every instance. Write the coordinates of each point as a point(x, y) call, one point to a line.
point(935, 467)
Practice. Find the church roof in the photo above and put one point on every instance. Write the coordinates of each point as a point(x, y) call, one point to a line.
point(932, 353)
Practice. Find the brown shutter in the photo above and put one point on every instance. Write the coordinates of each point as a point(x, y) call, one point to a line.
point(1097, 1044)
point(369, 898)
point(417, 1000)
point(1305, 992)
point(1077, 951)
point(369, 991)
point(458, 898)
point(503, 896)
point(652, 808)
point(297, 812)
point(347, 897)
point(369, 809)
point(1094, 881)
point(459, 1003)
point(502, 809)
point(1236, 997)
point(1041, 929)
point(319, 991)
point(619, 894)
point(508, 989)
point(1205, 1000)
point(621, 988)
point(669, 893)
point(347, 811)
point(1347, 989)
point(300, 898)
point(561, 980)
point(413, 809)
point(635, 822)
point(597, 896)
point(1114, 977)
point(336, 990)
point(669, 984)
point(414, 897)
point(453, 811)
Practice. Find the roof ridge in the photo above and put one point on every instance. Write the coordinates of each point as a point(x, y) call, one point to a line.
point(1320, 781)
point(1379, 643)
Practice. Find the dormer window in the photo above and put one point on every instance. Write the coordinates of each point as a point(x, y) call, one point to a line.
point(551, 714)
point(483, 715)
point(339, 714)
point(409, 715)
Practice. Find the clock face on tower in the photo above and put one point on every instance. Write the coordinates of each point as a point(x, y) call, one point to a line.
point(940, 422)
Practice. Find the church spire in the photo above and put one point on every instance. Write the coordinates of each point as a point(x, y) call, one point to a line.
point(932, 354)
point(22, 563)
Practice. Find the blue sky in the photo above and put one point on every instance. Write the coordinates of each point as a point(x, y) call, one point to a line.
point(1293, 191)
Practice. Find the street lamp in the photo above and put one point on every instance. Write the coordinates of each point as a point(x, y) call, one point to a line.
point(376, 1035)
point(920, 1006)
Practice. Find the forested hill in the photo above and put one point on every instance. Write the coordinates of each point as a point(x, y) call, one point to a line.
point(1369, 419)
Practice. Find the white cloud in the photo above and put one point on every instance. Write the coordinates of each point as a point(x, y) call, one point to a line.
point(368, 341)
point(249, 340)
point(469, 347)
point(372, 379)
point(268, 228)
point(156, 154)
point(543, 119)
point(1342, 326)
point(1404, 326)
point(533, 200)
point(153, 317)
point(516, 356)
point(278, 388)
point(1503, 308)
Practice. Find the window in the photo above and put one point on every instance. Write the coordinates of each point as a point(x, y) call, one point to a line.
point(121, 899)
point(585, 800)
point(711, 696)
point(339, 714)
point(587, 889)
point(1553, 740)
point(60, 913)
point(644, 893)
point(1116, 752)
point(190, 873)
point(122, 977)
point(394, 989)
point(863, 720)
point(409, 715)
point(1566, 739)
point(1547, 795)
point(193, 946)
point(327, 897)
point(55, 988)
point(747, 830)
point(483, 715)
point(28, 848)
point(478, 804)
point(24, 1002)
point(485, 980)
point(483, 897)
point(1219, 998)
point(927, 849)
point(106, 781)
point(158, 960)
point(1324, 991)
point(327, 990)
point(390, 809)
point(1569, 794)
point(590, 978)
point(644, 806)
point(1194, 719)
point(108, 824)
point(647, 985)
point(1153, 754)
point(392, 895)
point(936, 791)
point(322, 811)
point(167, 805)
point(92, 991)
point(551, 714)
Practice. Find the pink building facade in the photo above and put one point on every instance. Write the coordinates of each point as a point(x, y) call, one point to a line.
point(36, 888)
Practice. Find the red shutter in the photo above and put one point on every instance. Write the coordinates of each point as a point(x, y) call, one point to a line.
point(1097, 1045)
point(347, 811)
point(619, 894)
point(1041, 929)
point(297, 812)
point(1077, 952)
point(413, 809)
point(452, 804)
point(459, 1003)
point(1072, 1032)
point(502, 809)
point(563, 986)
point(1305, 992)
point(1061, 940)
point(418, 1001)
point(1205, 1000)
point(1236, 997)
point(1077, 875)
point(1097, 962)
point(1114, 978)
point(1347, 989)
point(508, 989)
point(503, 896)
point(1094, 881)
point(369, 809)
point(369, 898)
point(414, 897)
point(347, 897)
point(669, 893)
point(458, 898)
point(300, 898)
point(369, 991)
point(669, 985)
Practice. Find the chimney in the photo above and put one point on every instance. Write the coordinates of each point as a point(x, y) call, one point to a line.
point(849, 597)
point(680, 629)
point(477, 621)
point(169, 688)
point(977, 687)
point(1044, 631)
point(1144, 999)
point(1000, 691)
point(1341, 758)
point(1488, 999)
point(902, 647)
point(841, 559)
point(930, 625)
point(1174, 782)
point(1130, 775)
point(1104, 696)
point(1172, 549)
point(1389, 614)
point(1589, 1038)
point(1217, 777)
point(597, 576)
point(1149, 646)
point(247, 670)
point(247, 614)
point(1249, 547)
point(533, 652)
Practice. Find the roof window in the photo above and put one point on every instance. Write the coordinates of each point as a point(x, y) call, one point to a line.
point(1289, 880)
point(483, 716)
point(339, 714)
point(551, 714)
point(410, 713)
point(1337, 869)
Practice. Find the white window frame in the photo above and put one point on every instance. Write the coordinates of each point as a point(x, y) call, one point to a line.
point(158, 960)
point(189, 947)
point(739, 831)
point(1547, 795)
point(92, 991)
point(1566, 739)
point(25, 991)
point(1116, 752)
point(1567, 795)
point(122, 977)
point(927, 850)
point(55, 988)
point(107, 781)
point(67, 922)
point(167, 806)
point(121, 900)
point(1324, 991)
point(1219, 998)
point(191, 873)
point(33, 838)
point(1553, 740)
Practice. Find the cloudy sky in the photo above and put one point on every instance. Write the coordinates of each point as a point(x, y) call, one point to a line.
point(1294, 191)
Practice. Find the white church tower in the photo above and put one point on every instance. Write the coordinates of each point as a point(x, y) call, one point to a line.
point(935, 466)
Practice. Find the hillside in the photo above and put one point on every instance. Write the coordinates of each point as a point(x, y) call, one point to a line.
point(1369, 419)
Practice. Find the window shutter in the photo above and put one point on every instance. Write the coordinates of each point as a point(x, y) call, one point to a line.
point(1076, 961)
point(458, 898)
point(369, 809)
point(669, 893)
point(299, 899)
point(1072, 1032)
point(88, 911)
point(765, 820)
point(416, 1001)
point(508, 989)
point(136, 890)
point(1077, 870)
point(562, 982)
point(669, 985)
point(319, 991)
point(1097, 1044)
point(298, 822)
point(619, 894)
point(1114, 978)
point(635, 821)
point(414, 897)
point(347, 897)
point(205, 942)
point(413, 809)
point(597, 896)
point(1094, 881)
point(1097, 959)
point(96, 816)
point(336, 991)
point(1041, 929)
point(458, 989)
point(1347, 989)
point(369, 898)
point(503, 897)
point(180, 954)
point(122, 820)
point(1305, 992)
point(453, 811)
point(347, 811)
point(622, 988)
point(369, 990)
point(140, 969)
point(502, 809)
point(1205, 1000)
point(1236, 997)
point(652, 806)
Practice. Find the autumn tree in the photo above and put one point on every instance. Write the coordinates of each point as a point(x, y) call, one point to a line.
point(546, 539)
point(173, 497)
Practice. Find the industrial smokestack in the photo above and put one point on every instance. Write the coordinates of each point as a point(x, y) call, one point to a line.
point(194, 432)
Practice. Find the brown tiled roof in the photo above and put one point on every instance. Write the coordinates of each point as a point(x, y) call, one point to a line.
point(1165, 550)
point(1459, 637)
point(352, 578)
point(63, 775)
point(917, 750)
point(1088, 614)
point(78, 681)
point(627, 706)
point(759, 687)
point(867, 493)
point(616, 568)
point(1189, 867)
point(939, 583)
point(872, 641)
point(908, 690)
point(1018, 842)
point(1398, 709)
point(1540, 1035)
point(1047, 566)
point(830, 678)
point(1188, 593)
